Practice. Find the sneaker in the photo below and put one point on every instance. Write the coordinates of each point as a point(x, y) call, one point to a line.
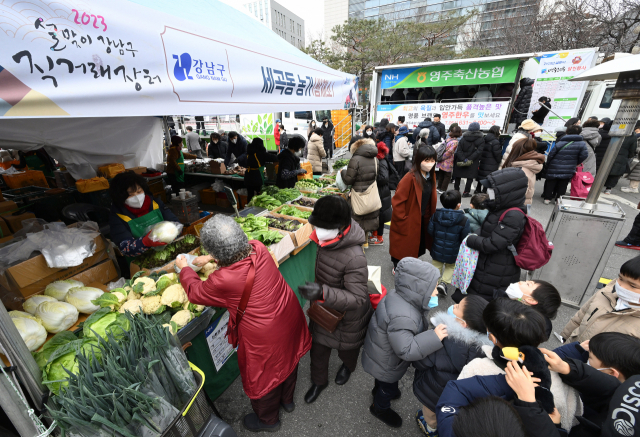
point(626, 245)
point(387, 416)
point(422, 424)
point(607, 191)
point(442, 289)
point(376, 241)
point(629, 190)
point(373, 237)
point(466, 195)
point(546, 202)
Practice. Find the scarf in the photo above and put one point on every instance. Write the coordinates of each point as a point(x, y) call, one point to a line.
point(533, 155)
point(139, 212)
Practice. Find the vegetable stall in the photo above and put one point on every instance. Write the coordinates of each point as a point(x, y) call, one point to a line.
point(106, 335)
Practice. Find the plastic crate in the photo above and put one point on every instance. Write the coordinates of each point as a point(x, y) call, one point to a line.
point(25, 194)
point(195, 415)
point(26, 179)
point(98, 198)
point(50, 206)
point(186, 210)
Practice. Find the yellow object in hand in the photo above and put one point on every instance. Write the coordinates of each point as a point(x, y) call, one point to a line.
point(512, 353)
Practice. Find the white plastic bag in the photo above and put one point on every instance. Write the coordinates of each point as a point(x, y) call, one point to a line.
point(190, 259)
point(164, 232)
point(339, 182)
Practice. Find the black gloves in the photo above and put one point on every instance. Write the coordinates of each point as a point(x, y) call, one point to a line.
point(311, 291)
point(301, 171)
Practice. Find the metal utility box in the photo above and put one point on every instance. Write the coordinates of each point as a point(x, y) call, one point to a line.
point(579, 234)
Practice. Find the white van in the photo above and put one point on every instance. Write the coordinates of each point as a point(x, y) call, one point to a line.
point(598, 101)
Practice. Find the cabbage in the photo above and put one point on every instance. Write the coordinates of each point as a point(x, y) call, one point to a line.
point(163, 283)
point(58, 340)
point(111, 300)
point(32, 303)
point(81, 297)
point(164, 232)
point(32, 332)
point(59, 289)
point(104, 321)
point(57, 316)
point(18, 314)
point(54, 374)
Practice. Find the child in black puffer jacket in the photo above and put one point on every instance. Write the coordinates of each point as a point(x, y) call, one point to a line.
point(466, 334)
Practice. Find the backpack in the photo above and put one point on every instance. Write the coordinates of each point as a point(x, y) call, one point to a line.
point(533, 250)
point(440, 148)
point(581, 183)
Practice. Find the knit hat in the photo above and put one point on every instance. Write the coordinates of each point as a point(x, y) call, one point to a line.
point(403, 130)
point(530, 125)
point(474, 127)
point(331, 212)
point(223, 238)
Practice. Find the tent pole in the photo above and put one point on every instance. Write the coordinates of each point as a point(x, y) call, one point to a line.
point(167, 135)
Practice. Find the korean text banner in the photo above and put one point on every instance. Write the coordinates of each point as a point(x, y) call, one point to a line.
point(117, 58)
point(477, 73)
point(463, 113)
point(552, 81)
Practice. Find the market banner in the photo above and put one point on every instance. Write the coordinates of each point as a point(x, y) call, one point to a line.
point(118, 58)
point(476, 73)
point(463, 113)
point(552, 80)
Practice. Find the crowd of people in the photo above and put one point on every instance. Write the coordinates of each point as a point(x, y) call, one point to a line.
point(479, 367)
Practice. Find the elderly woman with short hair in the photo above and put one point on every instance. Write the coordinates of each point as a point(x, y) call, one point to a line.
point(272, 333)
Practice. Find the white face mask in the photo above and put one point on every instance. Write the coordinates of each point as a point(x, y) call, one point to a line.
point(515, 292)
point(537, 134)
point(625, 297)
point(235, 140)
point(491, 194)
point(427, 166)
point(369, 132)
point(136, 201)
point(601, 369)
point(326, 234)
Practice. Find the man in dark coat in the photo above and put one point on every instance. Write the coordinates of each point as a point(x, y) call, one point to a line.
point(237, 147)
point(521, 105)
point(385, 173)
point(257, 156)
point(289, 164)
point(434, 134)
point(217, 147)
point(561, 163)
point(327, 137)
point(491, 156)
point(497, 267)
point(442, 130)
point(604, 143)
point(397, 96)
point(621, 164)
point(469, 148)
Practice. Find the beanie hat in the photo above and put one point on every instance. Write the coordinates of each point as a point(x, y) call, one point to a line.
point(223, 238)
point(474, 127)
point(257, 142)
point(331, 212)
point(530, 125)
point(403, 130)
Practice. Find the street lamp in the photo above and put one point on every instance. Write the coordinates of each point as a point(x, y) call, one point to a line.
point(584, 231)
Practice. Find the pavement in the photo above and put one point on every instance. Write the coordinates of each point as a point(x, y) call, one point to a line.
point(344, 410)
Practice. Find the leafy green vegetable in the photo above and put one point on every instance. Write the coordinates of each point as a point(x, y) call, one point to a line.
point(106, 300)
point(265, 201)
point(252, 223)
point(340, 163)
point(309, 184)
point(58, 340)
point(294, 212)
point(266, 237)
point(286, 195)
point(104, 321)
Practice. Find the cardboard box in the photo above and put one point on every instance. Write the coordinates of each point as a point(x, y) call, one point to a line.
point(137, 170)
point(217, 167)
point(6, 239)
point(4, 227)
point(283, 248)
point(8, 205)
point(33, 275)
point(15, 221)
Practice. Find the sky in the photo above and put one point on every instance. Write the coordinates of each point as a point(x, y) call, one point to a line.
point(311, 11)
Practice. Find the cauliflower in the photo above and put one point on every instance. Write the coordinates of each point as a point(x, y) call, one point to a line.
point(172, 277)
point(132, 295)
point(120, 294)
point(208, 268)
point(152, 305)
point(133, 306)
point(168, 325)
point(181, 318)
point(174, 296)
point(193, 307)
point(148, 285)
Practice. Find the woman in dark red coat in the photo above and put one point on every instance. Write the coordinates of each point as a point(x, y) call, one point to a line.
point(273, 333)
point(413, 205)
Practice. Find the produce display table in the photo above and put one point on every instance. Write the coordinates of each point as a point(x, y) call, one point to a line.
point(296, 270)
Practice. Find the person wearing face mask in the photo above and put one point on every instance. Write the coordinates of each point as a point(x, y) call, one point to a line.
point(368, 132)
point(315, 151)
point(614, 308)
point(175, 163)
point(412, 207)
point(341, 285)
point(311, 128)
point(466, 334)
point(237, 147)
point(217, 147)
point(540, 295)
point(327, 130)
point(133, 210)
point(398, 334)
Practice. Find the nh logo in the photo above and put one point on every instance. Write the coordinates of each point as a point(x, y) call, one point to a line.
point(391, 77)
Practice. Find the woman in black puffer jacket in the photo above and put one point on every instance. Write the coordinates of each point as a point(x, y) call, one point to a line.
point(466, 334)
point(601, 149)
point(521, 105)
point(469, 149)
point(491, 156)
point(496, 264)
point(385, 173)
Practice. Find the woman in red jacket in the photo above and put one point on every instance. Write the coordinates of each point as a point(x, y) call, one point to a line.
point(272, 333)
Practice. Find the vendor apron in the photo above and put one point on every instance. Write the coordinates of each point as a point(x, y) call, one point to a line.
point(260, 169)
point(139, 225)
point(180, 162)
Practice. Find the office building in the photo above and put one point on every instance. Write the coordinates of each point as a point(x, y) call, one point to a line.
point(335, 12)
point(279, 19)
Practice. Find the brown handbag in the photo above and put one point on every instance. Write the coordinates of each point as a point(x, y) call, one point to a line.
point(326, 318)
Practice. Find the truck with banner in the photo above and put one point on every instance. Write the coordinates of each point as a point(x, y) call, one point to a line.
point(480, 90)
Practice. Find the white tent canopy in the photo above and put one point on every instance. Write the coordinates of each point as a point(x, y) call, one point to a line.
point(119, 58)
point(611, 69)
